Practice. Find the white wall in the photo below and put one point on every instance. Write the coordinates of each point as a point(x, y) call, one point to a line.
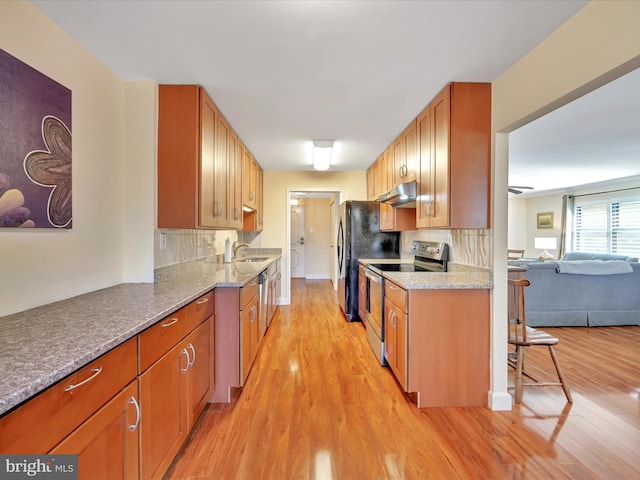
point(44, 265)
point(598, 44)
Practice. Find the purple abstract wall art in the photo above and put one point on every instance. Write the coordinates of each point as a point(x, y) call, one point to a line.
point(35, 148)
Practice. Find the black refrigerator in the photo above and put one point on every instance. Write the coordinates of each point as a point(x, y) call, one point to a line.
point(359, 236)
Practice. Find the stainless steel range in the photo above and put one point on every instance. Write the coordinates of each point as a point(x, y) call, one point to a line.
point(429, 257)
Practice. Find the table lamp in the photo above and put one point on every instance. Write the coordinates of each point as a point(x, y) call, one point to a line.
point(545, 243)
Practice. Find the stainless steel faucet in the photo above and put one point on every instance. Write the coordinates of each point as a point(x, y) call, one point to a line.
point(237, 246)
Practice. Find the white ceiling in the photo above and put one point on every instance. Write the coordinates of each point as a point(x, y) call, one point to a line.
point(287, 72)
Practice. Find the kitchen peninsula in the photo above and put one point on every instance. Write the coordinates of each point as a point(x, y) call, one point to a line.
point(436, 332)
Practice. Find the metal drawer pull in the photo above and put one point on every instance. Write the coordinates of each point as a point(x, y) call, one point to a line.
point(202, 300)
point(392, 287)
point(194, 355)
point(96, 372)
point(184, 370)
point(133, 401)
point(173, 321)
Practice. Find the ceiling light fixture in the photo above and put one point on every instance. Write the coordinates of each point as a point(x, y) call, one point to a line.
point(322, 151)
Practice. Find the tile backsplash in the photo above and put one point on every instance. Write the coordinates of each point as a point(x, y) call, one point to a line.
point(468, 247)
point(185, 245)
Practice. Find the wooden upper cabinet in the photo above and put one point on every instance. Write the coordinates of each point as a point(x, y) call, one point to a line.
point(454, 132)
point(396, 163)
point(235, 181)
point(409, 168)
point(199, 162)
point(424, 204)
point(249, 176)
point(371, 182)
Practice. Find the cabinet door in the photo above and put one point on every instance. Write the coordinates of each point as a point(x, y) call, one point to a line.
point(259, 200)
point(424, 205)
point(235, 181)
point(397, 164)
point(107, 443)
point(248, 178)
point(371, 183)
point(400, 328)
point(362, 296)
point(199, 344)
point(389, 335)
point(386, 217)
point(163, 397)
point(208, 121)
point(248, 337)
point(408, 171)
point(220, 193)
point(440, 118)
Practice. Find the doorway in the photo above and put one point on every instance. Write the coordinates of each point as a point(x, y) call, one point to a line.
point(321, 217)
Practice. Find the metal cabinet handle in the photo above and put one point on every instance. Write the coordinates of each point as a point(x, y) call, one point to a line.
point(134, 402)
point(185, 369)
point(202, 300)
point(96, 372)
point(253, 313)
point(173, 321)
point(190, 346)
point(393, 287)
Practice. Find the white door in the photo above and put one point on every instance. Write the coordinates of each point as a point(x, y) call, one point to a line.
point(298, 249)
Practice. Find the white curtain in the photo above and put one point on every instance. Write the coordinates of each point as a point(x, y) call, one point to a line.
point(566, 225)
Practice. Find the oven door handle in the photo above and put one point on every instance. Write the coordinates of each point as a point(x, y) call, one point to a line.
point(373, 276)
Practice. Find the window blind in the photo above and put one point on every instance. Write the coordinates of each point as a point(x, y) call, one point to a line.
point(607, 226)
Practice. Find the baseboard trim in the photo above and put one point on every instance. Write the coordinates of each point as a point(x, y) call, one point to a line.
point(318, 277)
point(500, 401)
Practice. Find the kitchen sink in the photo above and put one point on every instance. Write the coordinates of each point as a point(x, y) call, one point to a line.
point(252, 259)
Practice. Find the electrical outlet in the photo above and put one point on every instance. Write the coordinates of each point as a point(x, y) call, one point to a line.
point(163, 241)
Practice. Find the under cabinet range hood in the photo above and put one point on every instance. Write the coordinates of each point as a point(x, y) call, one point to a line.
point(400, 194)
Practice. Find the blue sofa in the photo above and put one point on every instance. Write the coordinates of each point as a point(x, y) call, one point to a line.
point(557, 299)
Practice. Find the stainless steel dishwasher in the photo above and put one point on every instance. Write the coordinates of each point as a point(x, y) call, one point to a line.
point(265, 293)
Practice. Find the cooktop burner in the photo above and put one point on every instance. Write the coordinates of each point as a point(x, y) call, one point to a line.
point(399, 267)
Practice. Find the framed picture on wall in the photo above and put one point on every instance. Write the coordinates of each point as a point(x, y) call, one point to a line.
point(545, 220)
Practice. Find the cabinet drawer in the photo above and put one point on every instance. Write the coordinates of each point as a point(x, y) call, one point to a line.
point(158, 339)
point(44, 421)
point(199, 310)
point(396, 294)
point(249, 291)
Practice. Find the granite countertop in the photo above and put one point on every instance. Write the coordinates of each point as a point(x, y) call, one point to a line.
point(54, 340)
point(458, 276)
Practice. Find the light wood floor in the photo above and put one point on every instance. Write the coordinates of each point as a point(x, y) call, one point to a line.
point(318, 406)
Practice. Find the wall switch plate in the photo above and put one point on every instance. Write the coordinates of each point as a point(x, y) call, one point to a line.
point(163, 241)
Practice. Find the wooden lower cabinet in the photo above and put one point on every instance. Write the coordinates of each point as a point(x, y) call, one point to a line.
point(446, 336)
point(362, 296)
point(173, 392)
point(237, 337)
point(107, 443)
point(249, 336)
point(395, 330)
point(44, 421)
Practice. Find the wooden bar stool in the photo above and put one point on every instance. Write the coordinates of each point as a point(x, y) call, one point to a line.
point(522, 336)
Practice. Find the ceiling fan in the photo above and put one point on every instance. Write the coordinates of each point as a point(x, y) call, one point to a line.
point(518, 189)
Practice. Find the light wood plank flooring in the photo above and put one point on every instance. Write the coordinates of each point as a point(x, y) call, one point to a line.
point(318, 406)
